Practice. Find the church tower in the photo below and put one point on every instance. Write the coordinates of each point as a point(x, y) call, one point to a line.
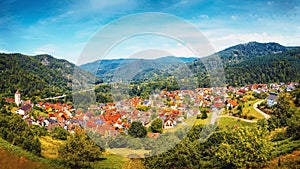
point(17, 98)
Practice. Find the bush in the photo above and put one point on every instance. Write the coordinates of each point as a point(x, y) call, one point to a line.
point(38, 130)
point(156, 126)
point(137, 130)
point(59, 133)
point(135, 143)
point(16, 131)
point(251, 117)
point(204, 115)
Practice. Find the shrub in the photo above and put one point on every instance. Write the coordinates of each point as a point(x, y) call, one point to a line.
point(59, 133)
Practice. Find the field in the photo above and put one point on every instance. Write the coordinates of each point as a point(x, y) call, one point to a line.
point(248, 109)
point(125, 152)
point(50, 146)
point(231, 122)
point(111, 161)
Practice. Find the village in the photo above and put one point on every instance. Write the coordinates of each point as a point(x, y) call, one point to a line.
point(174, 107)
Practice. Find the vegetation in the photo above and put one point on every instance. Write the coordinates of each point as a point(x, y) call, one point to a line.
point(137, 130)
point(239, 149)
point(36, 77)
point(59, 133)
point(79, 150)
point(15, 130)
point(156, 126)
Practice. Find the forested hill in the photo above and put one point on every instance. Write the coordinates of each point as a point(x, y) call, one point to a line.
point(280, 67)
point(249, 50)
point(41, 75)
point(106, 69)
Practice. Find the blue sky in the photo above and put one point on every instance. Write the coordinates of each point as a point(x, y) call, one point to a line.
point(62, 27)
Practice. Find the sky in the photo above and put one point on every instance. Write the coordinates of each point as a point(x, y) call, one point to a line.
point(62, 28)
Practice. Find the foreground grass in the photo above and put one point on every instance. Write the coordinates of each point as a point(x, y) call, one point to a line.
point(50, 146)
point(286, 161)
point(125, 152)
point(111, 161)
point(15, 157)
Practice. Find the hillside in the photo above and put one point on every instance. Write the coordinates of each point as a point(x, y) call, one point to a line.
point(41, 75)
point(249, 50)
point(281, 67)
point(139, 70)
point(106, 69)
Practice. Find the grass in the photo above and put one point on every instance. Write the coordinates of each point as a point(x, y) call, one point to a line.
point(287, 161)
point(231, 122)
point(285, 146)
point(252, 112)
point(110, 161)
point(125, 152)
point(50, 146)
point(249, 110)
point(191, 121)
point(15, 157)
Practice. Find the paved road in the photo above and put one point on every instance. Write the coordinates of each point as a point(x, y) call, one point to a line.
point(57, 97)
point(259, 111)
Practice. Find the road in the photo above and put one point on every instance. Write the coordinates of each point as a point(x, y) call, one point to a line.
point(57, 97)
point(259, 111)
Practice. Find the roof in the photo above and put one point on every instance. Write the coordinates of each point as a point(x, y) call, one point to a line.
point(26, 107)
point(232, 102)
point(272, 97)
point(12, 100)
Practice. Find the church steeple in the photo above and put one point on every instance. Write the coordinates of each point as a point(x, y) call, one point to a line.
point(18, 97)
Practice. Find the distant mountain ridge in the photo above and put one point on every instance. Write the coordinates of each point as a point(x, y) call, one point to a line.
point(106, 69)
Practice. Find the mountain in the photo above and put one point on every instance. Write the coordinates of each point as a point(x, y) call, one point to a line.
point(41, 75)
point(279, 67)
point(106, 69)
point(249, 50)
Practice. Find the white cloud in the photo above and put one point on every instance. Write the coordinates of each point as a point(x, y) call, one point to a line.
point(221, 42)
point(46, 49)
point(204, 16)
point(234, 17)
point(5, 51)
point(57, 18)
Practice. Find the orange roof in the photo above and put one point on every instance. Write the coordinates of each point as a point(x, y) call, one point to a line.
point(9, 100)
point(232, 102)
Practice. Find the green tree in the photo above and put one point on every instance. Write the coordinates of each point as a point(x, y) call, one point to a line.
point(156, 126)
point(244, 148)
point(137, 129)
point(204, 115)
point(79, 150)
point(293, 129)
point(16, 131)
point(59, 133)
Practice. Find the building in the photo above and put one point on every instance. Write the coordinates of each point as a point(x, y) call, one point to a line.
point(271, 100)
point(17, 98)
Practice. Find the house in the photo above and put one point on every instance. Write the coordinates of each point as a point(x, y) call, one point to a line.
point(24, 110)
point(271, 100)
point(169, 123)
point(231, 103)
